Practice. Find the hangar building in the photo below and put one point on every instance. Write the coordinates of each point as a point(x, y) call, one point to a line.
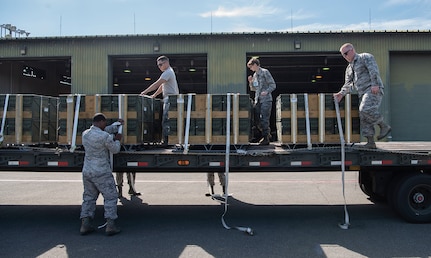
point(216, 63)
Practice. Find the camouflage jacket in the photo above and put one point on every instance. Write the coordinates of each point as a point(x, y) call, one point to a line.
point(265, 82)
point(97, 145)
point(361, 74)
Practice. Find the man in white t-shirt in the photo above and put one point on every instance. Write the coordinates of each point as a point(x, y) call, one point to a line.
point(167, 85)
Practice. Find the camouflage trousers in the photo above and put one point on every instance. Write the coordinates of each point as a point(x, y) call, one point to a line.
point(131, 178)
point(261, 115)
point(221, 177)
point(93, 185)
point(165, 121)
point(369, 113)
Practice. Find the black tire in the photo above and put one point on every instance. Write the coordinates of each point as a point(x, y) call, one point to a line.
point(392, 190)
point(413, 198)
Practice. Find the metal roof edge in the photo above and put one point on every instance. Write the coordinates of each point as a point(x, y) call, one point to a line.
point(218, 34)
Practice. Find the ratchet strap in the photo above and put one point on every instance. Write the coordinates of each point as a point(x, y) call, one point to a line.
point(346, 223)
point(3, 122)
point(226, 195)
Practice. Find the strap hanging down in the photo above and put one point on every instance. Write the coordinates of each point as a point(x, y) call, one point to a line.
point(346, 223)
point(3, 122)
point(75, 122)
point(226, 195)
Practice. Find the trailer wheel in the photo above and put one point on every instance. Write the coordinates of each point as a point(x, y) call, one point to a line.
point(413, 198)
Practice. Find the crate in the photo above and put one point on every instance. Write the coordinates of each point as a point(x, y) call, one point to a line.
point(208, 123)
point(142, 116)
point(30, 119)
point(291, 119)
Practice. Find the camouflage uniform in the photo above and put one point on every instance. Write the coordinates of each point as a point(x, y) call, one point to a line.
point(222, 179)
point(361, 74)
point(262, 81)
point(97, 172)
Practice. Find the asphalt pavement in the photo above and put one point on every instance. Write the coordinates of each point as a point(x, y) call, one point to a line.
point(291, 215)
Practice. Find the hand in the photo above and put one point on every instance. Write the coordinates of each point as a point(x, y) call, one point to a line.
point(121, 121)
point(264, 93)
point(250, 78)
point(375, 89)
point(118, 137)
point(338, 97)
point(143, 93)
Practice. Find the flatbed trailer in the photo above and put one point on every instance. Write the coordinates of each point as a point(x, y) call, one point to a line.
point(396, 172)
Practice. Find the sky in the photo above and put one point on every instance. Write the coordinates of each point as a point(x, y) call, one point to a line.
point(58, 18)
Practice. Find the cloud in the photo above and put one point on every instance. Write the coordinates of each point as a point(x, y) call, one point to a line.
point(247, 11)
point(414, 24)
point(300, 15)
point(404, 2)
point(404, 24)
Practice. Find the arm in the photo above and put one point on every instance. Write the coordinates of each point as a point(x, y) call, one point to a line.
point(348, 84)
point(250, 83)
point(113, 128)
point(271, 83)
point(155, 86)
point(373, 70)
point(113, 144)
point(158, 91)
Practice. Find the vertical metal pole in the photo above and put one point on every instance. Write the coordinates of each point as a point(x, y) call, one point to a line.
point(307, 121)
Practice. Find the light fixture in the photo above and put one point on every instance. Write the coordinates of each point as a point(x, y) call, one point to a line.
point(127, 69)
point(156, 46)
point(192, 69)
point(147, 77)
point(23, 50)
point(297, 44)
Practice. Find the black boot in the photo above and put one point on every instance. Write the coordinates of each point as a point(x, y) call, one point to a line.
point(120, 191)
point(133, 192)
point(111, 228)
point(86, 226)
point(264, 141)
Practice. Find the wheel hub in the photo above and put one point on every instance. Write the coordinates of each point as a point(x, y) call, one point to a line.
point(418, 198)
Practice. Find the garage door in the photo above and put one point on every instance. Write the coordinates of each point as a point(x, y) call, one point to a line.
point(410, 91)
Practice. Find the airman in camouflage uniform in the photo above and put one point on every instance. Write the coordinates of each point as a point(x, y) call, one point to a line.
point(263, 84)
point(362, 73)
point(131, 179)
point(98, 142)
point(211, 183)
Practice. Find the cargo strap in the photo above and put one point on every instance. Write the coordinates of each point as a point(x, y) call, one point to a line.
point(3, 121)
point(346, 223)
point(75, 122)
point(187, 132)
point(226, 195)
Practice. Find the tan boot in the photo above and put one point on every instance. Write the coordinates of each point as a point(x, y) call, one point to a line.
point(86, 226)
point(111, 228)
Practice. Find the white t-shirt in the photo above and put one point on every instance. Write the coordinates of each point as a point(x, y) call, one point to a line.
point(170, 86)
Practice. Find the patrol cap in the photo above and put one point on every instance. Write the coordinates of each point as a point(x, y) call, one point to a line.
point(99, 117)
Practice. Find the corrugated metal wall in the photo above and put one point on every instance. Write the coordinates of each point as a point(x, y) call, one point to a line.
point(92, 69)
point(226, 52)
